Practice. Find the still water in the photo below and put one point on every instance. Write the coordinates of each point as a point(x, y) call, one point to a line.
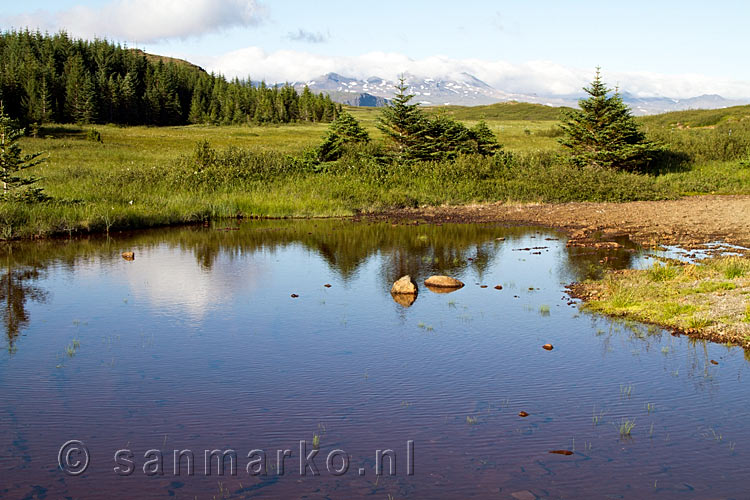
point(198, 345)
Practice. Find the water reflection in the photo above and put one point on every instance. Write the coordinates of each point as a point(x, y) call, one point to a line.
point(17, 288)
point(197, 343)
point(345, 246)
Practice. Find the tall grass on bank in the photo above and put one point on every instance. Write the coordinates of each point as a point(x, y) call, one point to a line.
point(143, 177)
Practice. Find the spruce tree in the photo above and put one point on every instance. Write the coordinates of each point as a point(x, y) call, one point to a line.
point(402, 123)
point(604, 134)
point(12, 162)
point(344, 130)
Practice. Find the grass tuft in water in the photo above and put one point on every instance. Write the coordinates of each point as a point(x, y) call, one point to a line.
point(626, 427)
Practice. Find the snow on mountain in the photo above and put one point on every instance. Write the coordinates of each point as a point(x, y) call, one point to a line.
point(464, 89)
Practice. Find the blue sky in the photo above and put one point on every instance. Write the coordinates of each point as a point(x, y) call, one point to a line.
point(652, 47)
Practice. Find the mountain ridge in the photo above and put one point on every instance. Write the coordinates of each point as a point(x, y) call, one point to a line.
point(464, 89)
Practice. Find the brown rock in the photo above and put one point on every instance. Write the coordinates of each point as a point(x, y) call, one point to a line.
point(294, 296)
point(547, 347)
point(523, 414)
point(437, 289)
point(443, 282)
point(561, 452)
point(128, 255)
point(498, 287)
point(404, 299)
point(404, 285)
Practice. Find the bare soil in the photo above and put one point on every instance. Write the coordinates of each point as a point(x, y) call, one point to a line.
point(688, 222)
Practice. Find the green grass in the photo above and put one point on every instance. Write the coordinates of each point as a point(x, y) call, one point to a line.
point(626, 427)
point(144, 176)
point(708, 298)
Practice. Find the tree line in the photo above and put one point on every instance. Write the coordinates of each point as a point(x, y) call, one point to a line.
point(54, 78)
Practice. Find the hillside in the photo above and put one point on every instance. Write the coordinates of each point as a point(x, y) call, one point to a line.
point(698, 117)
point(502, 111)
point(155, 58)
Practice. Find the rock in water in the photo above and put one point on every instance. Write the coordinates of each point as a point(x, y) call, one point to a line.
point(547, 347)
point(443, 282)
point(404, 299)
point(405, 285)
point(128, 255)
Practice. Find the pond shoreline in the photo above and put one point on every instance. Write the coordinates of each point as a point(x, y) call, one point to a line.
point(708, 300)
point(689, 222)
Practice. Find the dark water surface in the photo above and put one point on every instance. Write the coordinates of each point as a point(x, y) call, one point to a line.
point(198, 345)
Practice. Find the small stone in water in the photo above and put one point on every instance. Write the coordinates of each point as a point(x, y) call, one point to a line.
point(547, 347)
point(294, 295)
point(523, 414)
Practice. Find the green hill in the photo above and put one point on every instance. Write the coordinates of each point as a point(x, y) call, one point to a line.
point(502, 111)
point(698, 117)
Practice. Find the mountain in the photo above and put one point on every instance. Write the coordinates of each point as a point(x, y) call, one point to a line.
point(463, 89)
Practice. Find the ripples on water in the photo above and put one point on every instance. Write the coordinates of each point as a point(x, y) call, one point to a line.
point(197, 344)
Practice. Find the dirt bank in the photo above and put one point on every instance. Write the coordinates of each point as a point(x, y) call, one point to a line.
point(688, 222)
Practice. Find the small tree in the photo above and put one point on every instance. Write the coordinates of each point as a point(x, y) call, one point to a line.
point(403, 124)
point(345, 129)
point(604, 134)
point(12, 162)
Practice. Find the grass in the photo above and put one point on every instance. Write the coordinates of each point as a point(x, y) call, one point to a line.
point(136, 177)
point(708, 299)
point(626, 391)
point(626, 427)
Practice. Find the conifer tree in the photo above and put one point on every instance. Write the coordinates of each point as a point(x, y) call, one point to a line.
point(485, 142)
point(12, 162)
point(603, 132)
point(344, 130)
point(402, 123)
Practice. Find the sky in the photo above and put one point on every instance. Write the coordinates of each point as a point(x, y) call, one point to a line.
point(648, 48)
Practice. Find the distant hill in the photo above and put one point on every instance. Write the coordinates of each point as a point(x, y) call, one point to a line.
point(503, 111)
point(155, 58)
point(699, 117)
point(463, 89)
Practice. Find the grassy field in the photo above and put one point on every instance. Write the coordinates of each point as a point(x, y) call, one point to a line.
point(148, 176)
point(708, 299)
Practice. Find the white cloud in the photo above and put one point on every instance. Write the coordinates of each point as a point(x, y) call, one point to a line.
point(144, 20)
point(534, 77)
point(308, 36)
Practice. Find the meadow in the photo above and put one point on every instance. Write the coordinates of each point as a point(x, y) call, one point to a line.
point(149, 176)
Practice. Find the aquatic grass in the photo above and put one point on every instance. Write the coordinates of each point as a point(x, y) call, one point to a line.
point(747, 314)
point(471, 420)
point(316, 441)
point(544, 310)
point(597, 417)
point(625, 427)
point(626, 390)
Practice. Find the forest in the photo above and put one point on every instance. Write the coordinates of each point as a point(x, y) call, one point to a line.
point(53, 78)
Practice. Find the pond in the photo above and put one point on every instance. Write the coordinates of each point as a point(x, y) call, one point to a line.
point(196, 352)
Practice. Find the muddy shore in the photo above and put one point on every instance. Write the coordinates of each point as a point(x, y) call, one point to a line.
point(688, 222)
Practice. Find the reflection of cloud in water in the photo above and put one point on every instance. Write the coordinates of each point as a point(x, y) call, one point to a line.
point(176, 281)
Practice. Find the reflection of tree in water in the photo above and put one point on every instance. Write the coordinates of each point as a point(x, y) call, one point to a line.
point(586, 263)
point(15, 292)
